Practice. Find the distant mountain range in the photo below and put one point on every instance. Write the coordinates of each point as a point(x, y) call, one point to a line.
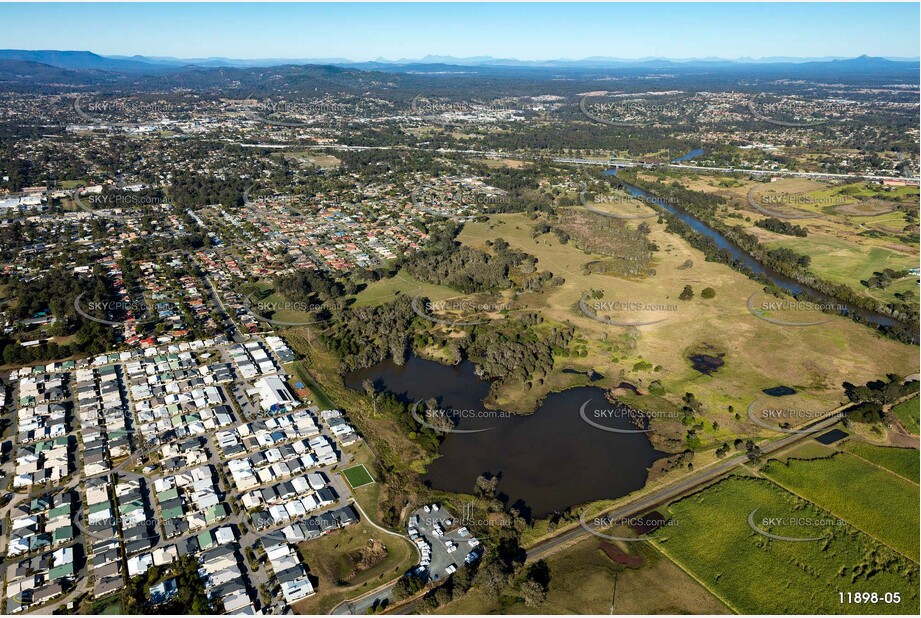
point(85, 60)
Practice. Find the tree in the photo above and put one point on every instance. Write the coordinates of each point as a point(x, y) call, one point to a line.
point(491, 579)
point(486, 485)
point(707, 293)
point(532, 593)
point(687, 293)
point(463, 578)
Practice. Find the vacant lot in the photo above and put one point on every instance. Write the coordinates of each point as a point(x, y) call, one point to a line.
point(346, 566)
point(874, 500)
point(758, 575)
point(583, 580)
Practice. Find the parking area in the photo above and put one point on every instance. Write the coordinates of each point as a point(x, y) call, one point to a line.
point(444, 544)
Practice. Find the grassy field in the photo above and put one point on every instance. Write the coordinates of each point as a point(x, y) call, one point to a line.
point(814, 360)
point(909, 413)
point(876, 501)
point(583, 580)
point(902, 461)
point(357, 476)
point(380, 292)
point(757, 575)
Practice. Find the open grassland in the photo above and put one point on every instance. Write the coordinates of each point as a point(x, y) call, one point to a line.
point(909, 412)
point(583, 580)
point(872, 499)
point(384, 291)
point(757, 575)
point(902, 461)
point(814, 360)
point(841, 260)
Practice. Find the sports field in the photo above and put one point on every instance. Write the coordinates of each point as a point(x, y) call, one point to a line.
point(357, 476)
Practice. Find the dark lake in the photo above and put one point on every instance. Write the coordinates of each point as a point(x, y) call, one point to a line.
point(548, 461)
point(779, 391)
point(830, 437)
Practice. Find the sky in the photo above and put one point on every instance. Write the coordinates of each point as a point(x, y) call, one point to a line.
point(532, 31)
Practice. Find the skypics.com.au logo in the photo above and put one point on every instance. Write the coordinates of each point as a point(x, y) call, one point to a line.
point(629, 307)
point(617, 200)
point(628, 111)
point(306, 113)
point(767, 204)
point(786, 419)
point(118, 111)
point(797, 112)
point(261, 309)
point(468, 111)
point(642, 525)
point(807, 524)
point(620, 412)
point(457, 203)
point(445, 420)
point(477, 311)
point(135, 311)
point(791, 312)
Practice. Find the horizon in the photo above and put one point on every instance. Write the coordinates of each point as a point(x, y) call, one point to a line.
point(435, 58)
point(524, 32)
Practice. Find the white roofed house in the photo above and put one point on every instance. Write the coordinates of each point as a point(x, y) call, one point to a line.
point(274, 394)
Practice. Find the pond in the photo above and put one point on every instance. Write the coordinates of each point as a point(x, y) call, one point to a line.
point(548, 461)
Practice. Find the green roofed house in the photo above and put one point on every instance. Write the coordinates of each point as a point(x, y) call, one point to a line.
point(63, 534)
point(205, 540)
point(69, 365)
point(173, 513)
point(39, 504)
point(168, 494)
point(37, 541)
point(60, 572)
point(215, 513)
point(130, 507)
point(57, 511)
point(99, 507)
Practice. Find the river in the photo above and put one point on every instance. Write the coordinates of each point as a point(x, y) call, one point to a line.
point(548, 461)
point(739, 254)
